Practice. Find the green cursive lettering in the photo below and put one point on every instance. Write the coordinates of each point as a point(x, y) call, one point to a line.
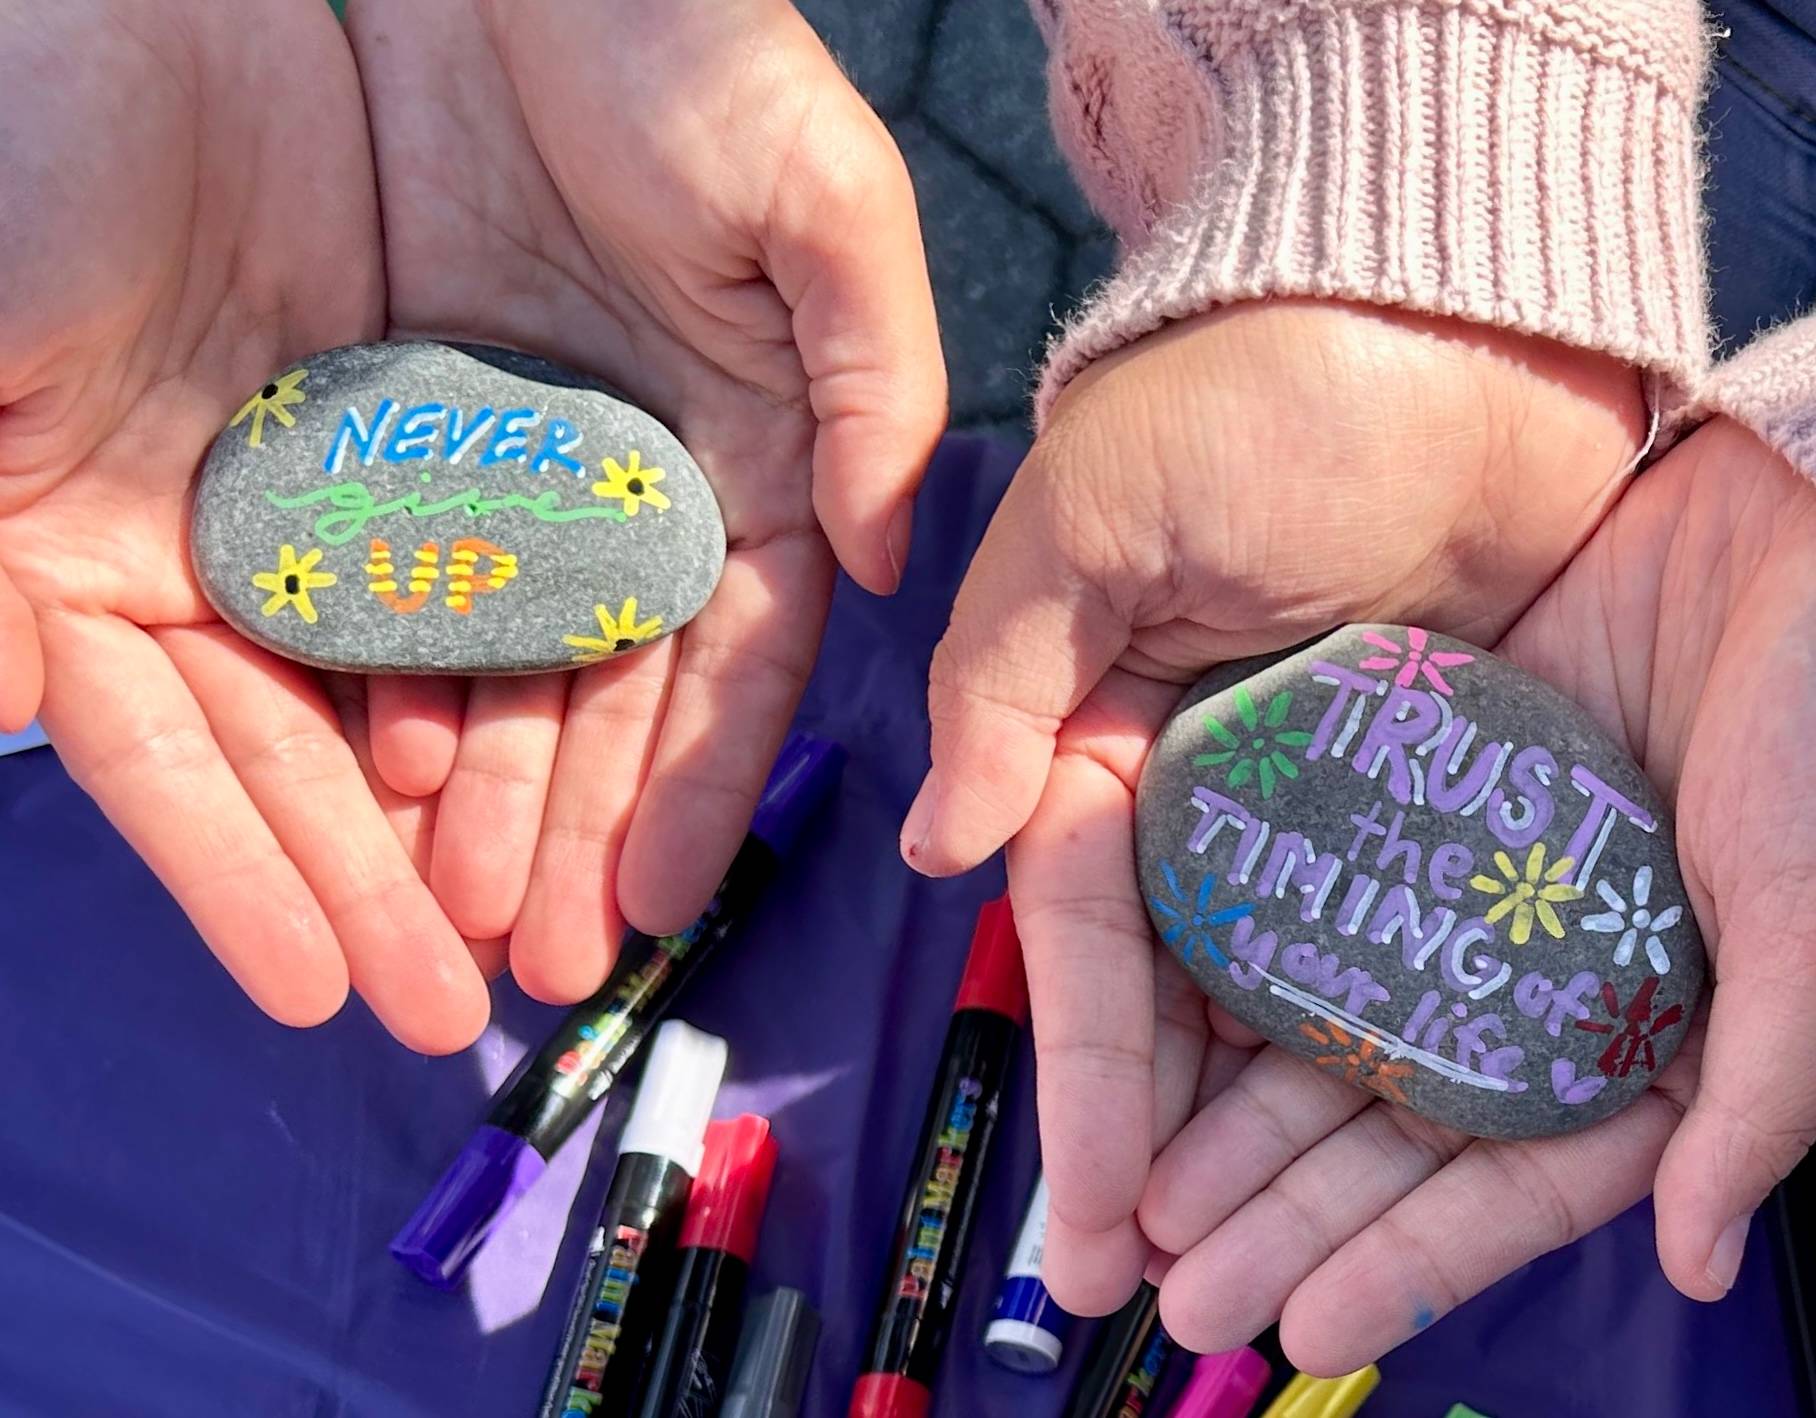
point(353, 508)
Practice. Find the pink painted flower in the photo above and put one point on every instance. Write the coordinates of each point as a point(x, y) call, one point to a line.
point(1418, 660)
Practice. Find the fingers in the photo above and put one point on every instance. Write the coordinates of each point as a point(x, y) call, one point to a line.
point(415, 725)
point(284, 743)
point(1277, 1109)
point(1029, 638)
point(150, 761)
point(1120, 1047)
point(21, 660)
point(567, 933)
point(742, 665)
point(843, 248)
point(1497, 1206)
point(1752, 1118)
point(491, 809)
point(1233, 1284)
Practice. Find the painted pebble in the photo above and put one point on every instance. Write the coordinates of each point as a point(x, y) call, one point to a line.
point(1427, 873)
point(422, 507)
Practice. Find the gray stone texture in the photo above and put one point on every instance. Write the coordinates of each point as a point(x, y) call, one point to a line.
point(1407, 921)
point(420, 507)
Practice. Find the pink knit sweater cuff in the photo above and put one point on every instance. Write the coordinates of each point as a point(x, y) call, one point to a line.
point(1770, 386)
point(1532, 164)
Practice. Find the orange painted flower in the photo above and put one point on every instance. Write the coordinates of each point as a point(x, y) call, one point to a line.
point(1360, 1061)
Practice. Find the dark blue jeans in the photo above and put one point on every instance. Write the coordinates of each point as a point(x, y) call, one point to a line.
point(1762, 151)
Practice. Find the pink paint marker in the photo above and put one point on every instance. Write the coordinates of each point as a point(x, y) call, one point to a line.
point(1223, 1385)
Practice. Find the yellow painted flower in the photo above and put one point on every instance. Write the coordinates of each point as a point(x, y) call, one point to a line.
point(275, 399)
point(632, 484)
point(1530, 894)
point(292, 582)
point(617, 633)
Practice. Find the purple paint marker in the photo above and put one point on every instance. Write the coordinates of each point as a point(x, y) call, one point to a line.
point(553, 1090)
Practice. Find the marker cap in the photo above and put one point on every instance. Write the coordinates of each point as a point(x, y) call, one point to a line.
point(1306, 1397)
point(994, 978)
point(775, 1351)
point(889, 1396)
point(805, 773)
point(675, 1098)
point(1024, 1347)
point(1463, 1410)
point(725, 1208)
point(1223, 1385)
point(479, 1187)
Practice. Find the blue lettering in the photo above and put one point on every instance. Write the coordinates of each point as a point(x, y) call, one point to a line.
point(353, 431)
point(509, 444)
point(559, 439)
point(461, 435)
point(415, 432)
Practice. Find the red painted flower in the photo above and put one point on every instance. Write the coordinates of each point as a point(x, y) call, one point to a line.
point(1634, 1028)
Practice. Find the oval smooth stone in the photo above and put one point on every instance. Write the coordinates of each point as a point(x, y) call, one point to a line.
point(1427, 873)
point(422, 507)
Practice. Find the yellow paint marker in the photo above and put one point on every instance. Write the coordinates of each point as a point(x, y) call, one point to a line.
point(1306, 1397)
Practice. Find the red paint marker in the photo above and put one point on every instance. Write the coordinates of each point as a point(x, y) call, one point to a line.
point(915, 1311)
point(693, 1358)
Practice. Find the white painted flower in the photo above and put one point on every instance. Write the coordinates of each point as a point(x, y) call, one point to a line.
point(1635, 921)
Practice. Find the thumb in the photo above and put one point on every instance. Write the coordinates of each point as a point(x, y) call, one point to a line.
point(843, 249)
point(1030, 636)
point(1754, 1113)
point(21, 659)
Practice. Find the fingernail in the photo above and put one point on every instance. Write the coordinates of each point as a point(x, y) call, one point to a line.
point(917, 827)
point(901, 526)
point(1730, 1246)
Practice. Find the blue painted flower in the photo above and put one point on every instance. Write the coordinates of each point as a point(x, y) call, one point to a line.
point(1190, 918)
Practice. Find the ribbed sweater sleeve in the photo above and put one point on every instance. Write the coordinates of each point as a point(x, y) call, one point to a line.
point(1533, 164)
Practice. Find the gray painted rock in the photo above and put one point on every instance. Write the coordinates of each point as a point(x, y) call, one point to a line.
point(1427, 873)
point(426, 507)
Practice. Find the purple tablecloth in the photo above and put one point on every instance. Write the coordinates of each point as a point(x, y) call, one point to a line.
point(194, 1202)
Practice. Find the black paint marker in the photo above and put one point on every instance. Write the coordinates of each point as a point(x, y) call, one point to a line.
point(775, 1352)
point(553, 1090)
point(690, 1366)
point(631, 1271)
point(1124, 1365)
point(915, 1311)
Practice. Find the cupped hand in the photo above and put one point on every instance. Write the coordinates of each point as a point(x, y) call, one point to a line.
point(687, 198)
point(1233, 484)
point(1685, 628)
point(189, 205)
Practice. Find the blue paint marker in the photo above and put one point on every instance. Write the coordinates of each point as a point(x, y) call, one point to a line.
point(1027, 1332)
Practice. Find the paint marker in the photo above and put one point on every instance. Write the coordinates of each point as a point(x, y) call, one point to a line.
point(1463, 1410)
point(631, 1271)
point(1223, 1386)
point(1123, 1368)
point(775, 1351)
point(928, 1258)
point(553, 1090)
point(692, 1359)
point(1028, 1331)
point(1306, 1397)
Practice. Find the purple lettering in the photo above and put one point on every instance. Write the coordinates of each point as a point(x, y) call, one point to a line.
point(1453, 859)
point(1465, 794)
point(1217, 810)
point(1531, 774)
point(1389, 737)
point(1392, 849)
point(1366, 827)
point(1591, 835)
point(1348, 682)
point(1251, 952)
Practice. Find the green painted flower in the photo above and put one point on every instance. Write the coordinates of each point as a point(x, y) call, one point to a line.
point(1257, 750)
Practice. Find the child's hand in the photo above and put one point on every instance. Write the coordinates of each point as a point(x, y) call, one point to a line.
point(688, 198)
point(1232, 484)
point(188, 204)
point(1686, 627)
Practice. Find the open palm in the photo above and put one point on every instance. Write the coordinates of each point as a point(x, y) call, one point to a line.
point(190, 206)
point(1684, 626)
point(686, 198)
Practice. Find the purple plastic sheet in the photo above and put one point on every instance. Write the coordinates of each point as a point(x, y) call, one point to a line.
point(195, 1202)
